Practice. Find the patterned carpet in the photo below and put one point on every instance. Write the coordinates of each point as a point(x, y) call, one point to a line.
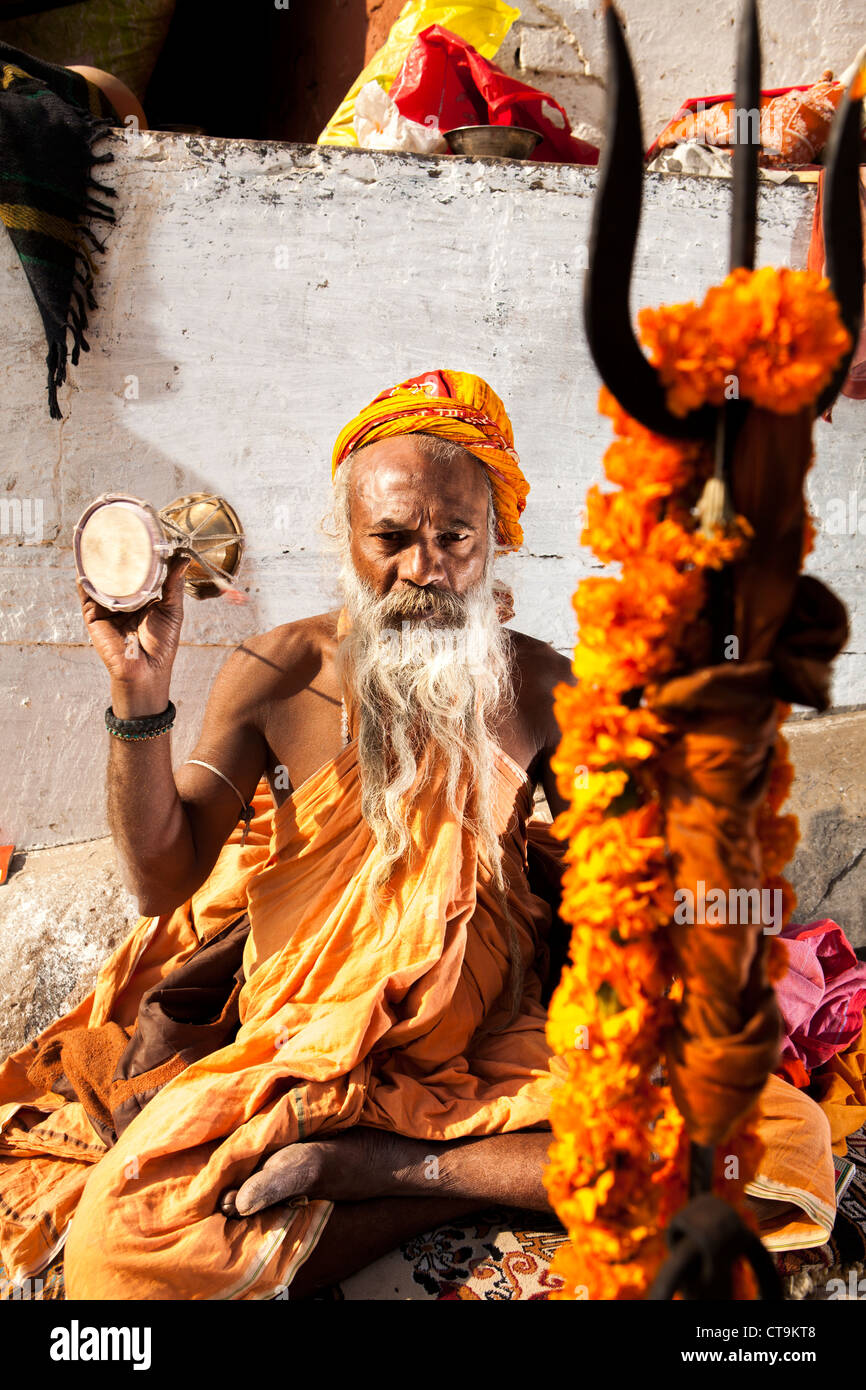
point(503, 1254)
point(495, 1256)
point(836, 1270)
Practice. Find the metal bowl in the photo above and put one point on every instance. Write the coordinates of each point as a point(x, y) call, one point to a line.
point(500, 141)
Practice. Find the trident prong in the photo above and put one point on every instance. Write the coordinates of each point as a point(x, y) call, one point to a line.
point(747, 100)
point(843, 229)
point(616, 217)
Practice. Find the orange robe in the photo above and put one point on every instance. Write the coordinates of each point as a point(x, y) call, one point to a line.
point(341, 1024)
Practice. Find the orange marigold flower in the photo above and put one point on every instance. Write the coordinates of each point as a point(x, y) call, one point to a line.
point(771, 336)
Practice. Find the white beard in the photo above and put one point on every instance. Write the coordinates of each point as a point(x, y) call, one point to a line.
point(421, 683)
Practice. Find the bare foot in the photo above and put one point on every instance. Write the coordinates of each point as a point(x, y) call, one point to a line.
point(358, 1164)
point(351, 1166)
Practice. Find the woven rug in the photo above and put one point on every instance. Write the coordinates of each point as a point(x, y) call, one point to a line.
point(494, 1257)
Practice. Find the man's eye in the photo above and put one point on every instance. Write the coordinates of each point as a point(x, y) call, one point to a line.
point(453, 536)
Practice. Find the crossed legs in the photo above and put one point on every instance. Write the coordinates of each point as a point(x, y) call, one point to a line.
point(387, 1188)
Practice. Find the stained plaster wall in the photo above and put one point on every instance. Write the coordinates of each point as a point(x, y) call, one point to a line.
point(252, 298)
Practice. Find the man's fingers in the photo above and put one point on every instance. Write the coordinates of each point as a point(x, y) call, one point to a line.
point(83, 596)
point(84, 599)
point(174, 580)
point(90, 609)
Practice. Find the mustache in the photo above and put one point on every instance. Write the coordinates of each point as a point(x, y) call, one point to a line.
point(435, 602)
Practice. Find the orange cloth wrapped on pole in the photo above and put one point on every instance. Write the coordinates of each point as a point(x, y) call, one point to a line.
point(786, 630)
point(683, 780)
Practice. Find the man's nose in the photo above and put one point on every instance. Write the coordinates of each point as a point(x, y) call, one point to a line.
point(422, 565)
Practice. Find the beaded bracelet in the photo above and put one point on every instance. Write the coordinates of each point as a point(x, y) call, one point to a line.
point(146, 726)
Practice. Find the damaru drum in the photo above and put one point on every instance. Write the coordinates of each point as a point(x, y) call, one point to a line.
point(122, 546)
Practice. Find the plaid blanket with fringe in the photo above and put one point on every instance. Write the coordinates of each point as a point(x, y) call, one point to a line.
point(50, 119)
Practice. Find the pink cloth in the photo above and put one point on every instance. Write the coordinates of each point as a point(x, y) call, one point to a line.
point(822, 995)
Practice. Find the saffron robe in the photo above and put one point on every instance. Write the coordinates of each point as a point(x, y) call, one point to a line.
point(340, 1023)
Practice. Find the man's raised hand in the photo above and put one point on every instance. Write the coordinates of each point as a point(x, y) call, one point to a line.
point(139, 649)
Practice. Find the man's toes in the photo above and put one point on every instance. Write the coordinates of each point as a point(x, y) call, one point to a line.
point(227, 1202)
point(291, 1172)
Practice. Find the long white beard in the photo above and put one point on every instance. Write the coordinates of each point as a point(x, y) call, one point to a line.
point(418, 685)
point(435, 686)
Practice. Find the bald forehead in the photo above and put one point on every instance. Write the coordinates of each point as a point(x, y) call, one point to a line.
point(396, 479)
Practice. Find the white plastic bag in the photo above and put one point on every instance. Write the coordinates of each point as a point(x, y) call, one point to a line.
point(379, 125)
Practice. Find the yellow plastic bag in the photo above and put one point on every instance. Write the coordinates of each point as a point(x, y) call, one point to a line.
point(484, 25)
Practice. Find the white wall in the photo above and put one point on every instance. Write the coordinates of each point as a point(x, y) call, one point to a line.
point(246, 373)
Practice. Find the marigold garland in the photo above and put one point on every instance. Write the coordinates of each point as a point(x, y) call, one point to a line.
point(778, 332)
point(618, 1161)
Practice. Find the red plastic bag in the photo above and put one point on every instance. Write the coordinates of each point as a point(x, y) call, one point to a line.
point(445, 79)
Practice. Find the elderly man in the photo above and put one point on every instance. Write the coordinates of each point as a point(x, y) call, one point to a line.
point(389, 1003)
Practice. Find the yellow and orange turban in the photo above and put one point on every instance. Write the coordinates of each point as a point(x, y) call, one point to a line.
point(460, 407)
